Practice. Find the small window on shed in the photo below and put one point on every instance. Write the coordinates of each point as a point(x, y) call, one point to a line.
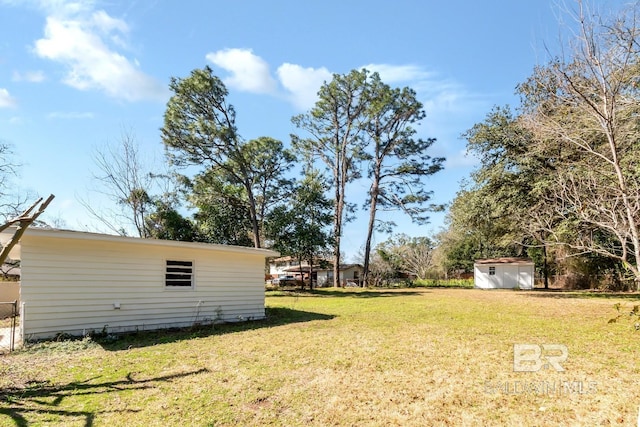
point(179, 274)
point(492, 271)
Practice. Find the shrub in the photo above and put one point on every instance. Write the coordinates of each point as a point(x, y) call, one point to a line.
point(446, 283)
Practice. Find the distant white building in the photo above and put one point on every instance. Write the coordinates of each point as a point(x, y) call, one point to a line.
point(322, 272)
point(285, 266)
point(350, 274)
point(504, 273)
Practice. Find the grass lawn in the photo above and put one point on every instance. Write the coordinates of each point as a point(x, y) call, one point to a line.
point(423, 357)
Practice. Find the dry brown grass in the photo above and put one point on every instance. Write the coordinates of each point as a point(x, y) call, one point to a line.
point(437, 357)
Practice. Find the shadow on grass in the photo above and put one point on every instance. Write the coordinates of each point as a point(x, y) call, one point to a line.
point(344, 293)
point(275, 316)
point(43, 399)
point(586, 294)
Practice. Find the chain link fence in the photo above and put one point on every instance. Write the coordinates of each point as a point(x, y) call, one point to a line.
point(8, 326)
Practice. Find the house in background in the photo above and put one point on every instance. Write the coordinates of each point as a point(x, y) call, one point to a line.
point(284, 266)
point(9, 281)
point(322, 271)
point(350, 275)
point(290, 267)
point(504, 273)
point(75, 282)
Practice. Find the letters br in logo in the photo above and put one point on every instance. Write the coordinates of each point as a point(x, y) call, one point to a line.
point(534, 357)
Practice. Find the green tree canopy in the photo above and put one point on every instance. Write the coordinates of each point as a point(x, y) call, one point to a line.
point(334, 135)
point(200, 129)
point(397, 161)
point(300, 228)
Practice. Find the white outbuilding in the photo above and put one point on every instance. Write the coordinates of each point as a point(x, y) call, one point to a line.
point(76, 282)
point(504, 273)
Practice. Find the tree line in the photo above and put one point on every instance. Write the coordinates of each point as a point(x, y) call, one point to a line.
point(560, 173)
point(558, 181)
point(245, 192)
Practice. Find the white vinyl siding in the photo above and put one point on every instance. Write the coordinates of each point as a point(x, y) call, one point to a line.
point(76, 285)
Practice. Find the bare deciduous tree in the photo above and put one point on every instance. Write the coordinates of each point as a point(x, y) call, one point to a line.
point(123, 178)
point(417, 255)
point(12, 201)
point(586, 106)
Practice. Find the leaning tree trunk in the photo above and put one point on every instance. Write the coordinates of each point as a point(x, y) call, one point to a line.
point(24, 220)
point(545, 266)
point(372, 219)
point(254, 215)
point(337, 232)
point(311, 272)
point(301, 272)
point(336, 255)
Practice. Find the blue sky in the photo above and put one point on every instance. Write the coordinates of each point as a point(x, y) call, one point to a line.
point(74, 74)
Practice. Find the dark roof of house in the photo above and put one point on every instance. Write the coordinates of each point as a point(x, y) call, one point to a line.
point(305, 268)
point(505, 260)
point(289, 258)
point(319, 268)
point(281, 259)
point(342, 267)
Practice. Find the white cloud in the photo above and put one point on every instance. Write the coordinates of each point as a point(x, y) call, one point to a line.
point(443, 96)
point(64, 8)
point(249, 72)
point(398, 73)
point(6, 100)
point(461, 159)
point(70, 115)
point(439, 93)
point(84, 41)
point(107, 24)
point(450, 109)
point(303, 83)
point(29, 76)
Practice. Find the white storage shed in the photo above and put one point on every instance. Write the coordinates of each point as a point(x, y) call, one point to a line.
point(76, 282)
point(504, 273)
